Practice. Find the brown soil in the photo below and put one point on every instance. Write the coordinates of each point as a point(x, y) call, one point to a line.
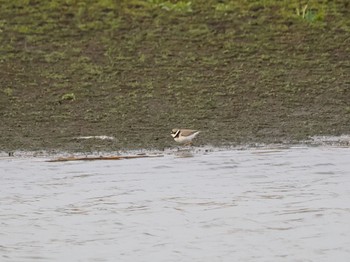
point(247, 75)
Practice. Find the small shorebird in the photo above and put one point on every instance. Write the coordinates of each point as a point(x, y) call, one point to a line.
point(184, 136)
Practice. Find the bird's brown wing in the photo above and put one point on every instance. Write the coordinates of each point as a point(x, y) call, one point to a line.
point(188, 132)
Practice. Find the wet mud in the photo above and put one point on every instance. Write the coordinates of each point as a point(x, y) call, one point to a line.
point(240, 73)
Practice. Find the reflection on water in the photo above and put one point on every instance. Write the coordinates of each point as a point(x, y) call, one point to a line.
point(290, 204)
point(184, 153)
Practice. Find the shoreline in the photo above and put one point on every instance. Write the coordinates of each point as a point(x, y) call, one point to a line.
point(342, 141)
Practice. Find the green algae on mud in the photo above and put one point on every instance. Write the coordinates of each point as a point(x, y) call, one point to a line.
point(253, 71)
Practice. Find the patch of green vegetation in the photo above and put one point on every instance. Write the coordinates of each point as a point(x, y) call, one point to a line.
point(313, 14)
point(199, 30)
point(86, 69)
point(55, 56)
point(68, 97)
point(53, 75)
point(8, 91)
point(223, 7)
point(178, 6)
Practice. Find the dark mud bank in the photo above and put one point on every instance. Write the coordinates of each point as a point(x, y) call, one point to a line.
point(241, 73)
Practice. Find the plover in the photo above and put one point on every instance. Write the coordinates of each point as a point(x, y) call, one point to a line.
point(184, 136)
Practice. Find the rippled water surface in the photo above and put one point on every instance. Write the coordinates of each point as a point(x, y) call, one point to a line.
point(227, 205)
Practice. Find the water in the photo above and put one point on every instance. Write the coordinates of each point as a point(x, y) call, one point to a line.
point(288, 204)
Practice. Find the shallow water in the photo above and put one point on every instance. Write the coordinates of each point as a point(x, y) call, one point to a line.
point(289, 204)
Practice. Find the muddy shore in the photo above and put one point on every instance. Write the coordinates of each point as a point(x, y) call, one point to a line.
point(133, 70)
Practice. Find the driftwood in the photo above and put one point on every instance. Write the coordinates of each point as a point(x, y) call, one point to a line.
point(87, 158)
